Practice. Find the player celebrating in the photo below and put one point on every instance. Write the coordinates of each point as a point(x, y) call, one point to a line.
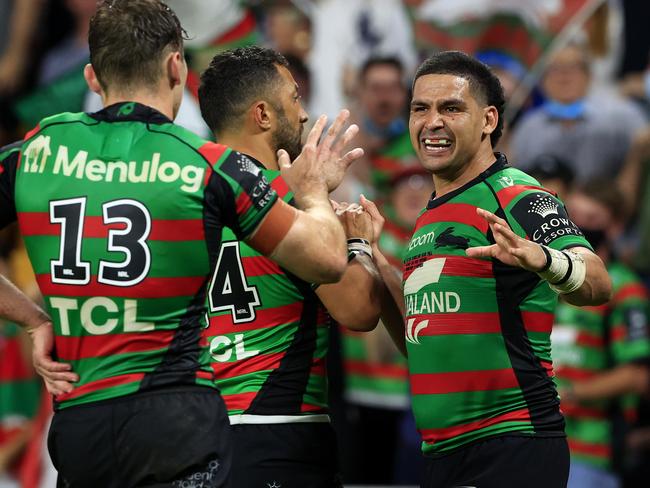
point(122, 213)
point(268, 329)
point(481, 273)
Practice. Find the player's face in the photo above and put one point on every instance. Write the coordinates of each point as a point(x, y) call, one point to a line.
point(291, 117)
point(447, 124)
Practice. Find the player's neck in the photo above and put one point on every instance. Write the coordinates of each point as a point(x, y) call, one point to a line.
point(446, 183)
point(162, 103)
point(255, 146)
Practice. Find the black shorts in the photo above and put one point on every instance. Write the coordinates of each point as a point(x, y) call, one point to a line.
point(294, 455)
point(172, 437)
point(502, 462)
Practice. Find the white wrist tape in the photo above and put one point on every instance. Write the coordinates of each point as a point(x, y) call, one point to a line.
point(565, 271)
point(358, 246)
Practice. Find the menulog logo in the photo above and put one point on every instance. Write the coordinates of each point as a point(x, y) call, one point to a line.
point(38, 152)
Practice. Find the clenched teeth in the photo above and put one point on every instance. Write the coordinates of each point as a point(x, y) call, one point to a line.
point(437, 142)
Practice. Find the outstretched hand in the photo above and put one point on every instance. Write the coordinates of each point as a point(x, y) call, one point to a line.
point(58, 377)
point(320, 166)
point(509, 248)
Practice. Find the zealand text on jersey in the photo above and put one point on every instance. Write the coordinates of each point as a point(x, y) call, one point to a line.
point(38, 153)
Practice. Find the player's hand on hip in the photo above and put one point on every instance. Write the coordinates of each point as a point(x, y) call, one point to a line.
point(321, 165)
point(58, 377)
point(355, 220)
point(509, 248)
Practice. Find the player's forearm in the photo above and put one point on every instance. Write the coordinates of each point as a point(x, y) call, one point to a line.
point(597, 287)
point(16, 307)
point(315, 247)
point(392, 301)
point(627, 378)
point(355, 300)
point(391, 279)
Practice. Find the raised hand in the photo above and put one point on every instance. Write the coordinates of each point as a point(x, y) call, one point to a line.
point(377, 219)
point(356, 221)
point(320, 167)
point(509, 248)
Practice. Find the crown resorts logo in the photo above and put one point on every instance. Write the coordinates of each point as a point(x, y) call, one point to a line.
point(543, 206)
point(245, 164)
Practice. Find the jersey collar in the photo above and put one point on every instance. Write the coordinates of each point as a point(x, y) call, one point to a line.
point(498, 165)
point(130, 111)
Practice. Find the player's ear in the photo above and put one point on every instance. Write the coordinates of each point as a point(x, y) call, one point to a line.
point(91, 79)
point(491, 119)
point(175, 68)
point(262, 115)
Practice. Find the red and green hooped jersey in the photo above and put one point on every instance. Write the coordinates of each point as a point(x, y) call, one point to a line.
point(20, 388)
point(590, 340)
point(392, 159)
point(380, 382)
point(478, 331)
point(121, 212)
point(268, 333)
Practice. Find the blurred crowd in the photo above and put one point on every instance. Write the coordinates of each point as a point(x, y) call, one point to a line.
point(577, 77)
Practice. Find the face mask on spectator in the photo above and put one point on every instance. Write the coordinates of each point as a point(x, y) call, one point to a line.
point(564, 111)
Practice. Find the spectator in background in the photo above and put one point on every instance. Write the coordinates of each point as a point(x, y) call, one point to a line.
point(72, 53)
point(288, 30)
point(600, 352)
point(380, 114)
point(345, 34)
point(213, 27)
point(20, 391)
point(553, 173)
point(18, 23)
point(594, 135)
point(376, 375)
point(510, 73)
point(634, 182)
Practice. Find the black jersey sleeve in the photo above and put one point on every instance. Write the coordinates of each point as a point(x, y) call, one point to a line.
point(9, 156)
point(241, 192)
point(543, 219)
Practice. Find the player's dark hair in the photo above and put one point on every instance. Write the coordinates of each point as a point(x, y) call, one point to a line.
point(128, 38)
point(234, 80)
point(483, 83)
point(380, 61)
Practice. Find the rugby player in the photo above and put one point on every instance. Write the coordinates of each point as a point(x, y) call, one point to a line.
point(489, 255)
point(122, 213)
point(268, 330)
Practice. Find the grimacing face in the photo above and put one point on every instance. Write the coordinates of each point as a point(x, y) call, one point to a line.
point(446, 123)
point(291, 116)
